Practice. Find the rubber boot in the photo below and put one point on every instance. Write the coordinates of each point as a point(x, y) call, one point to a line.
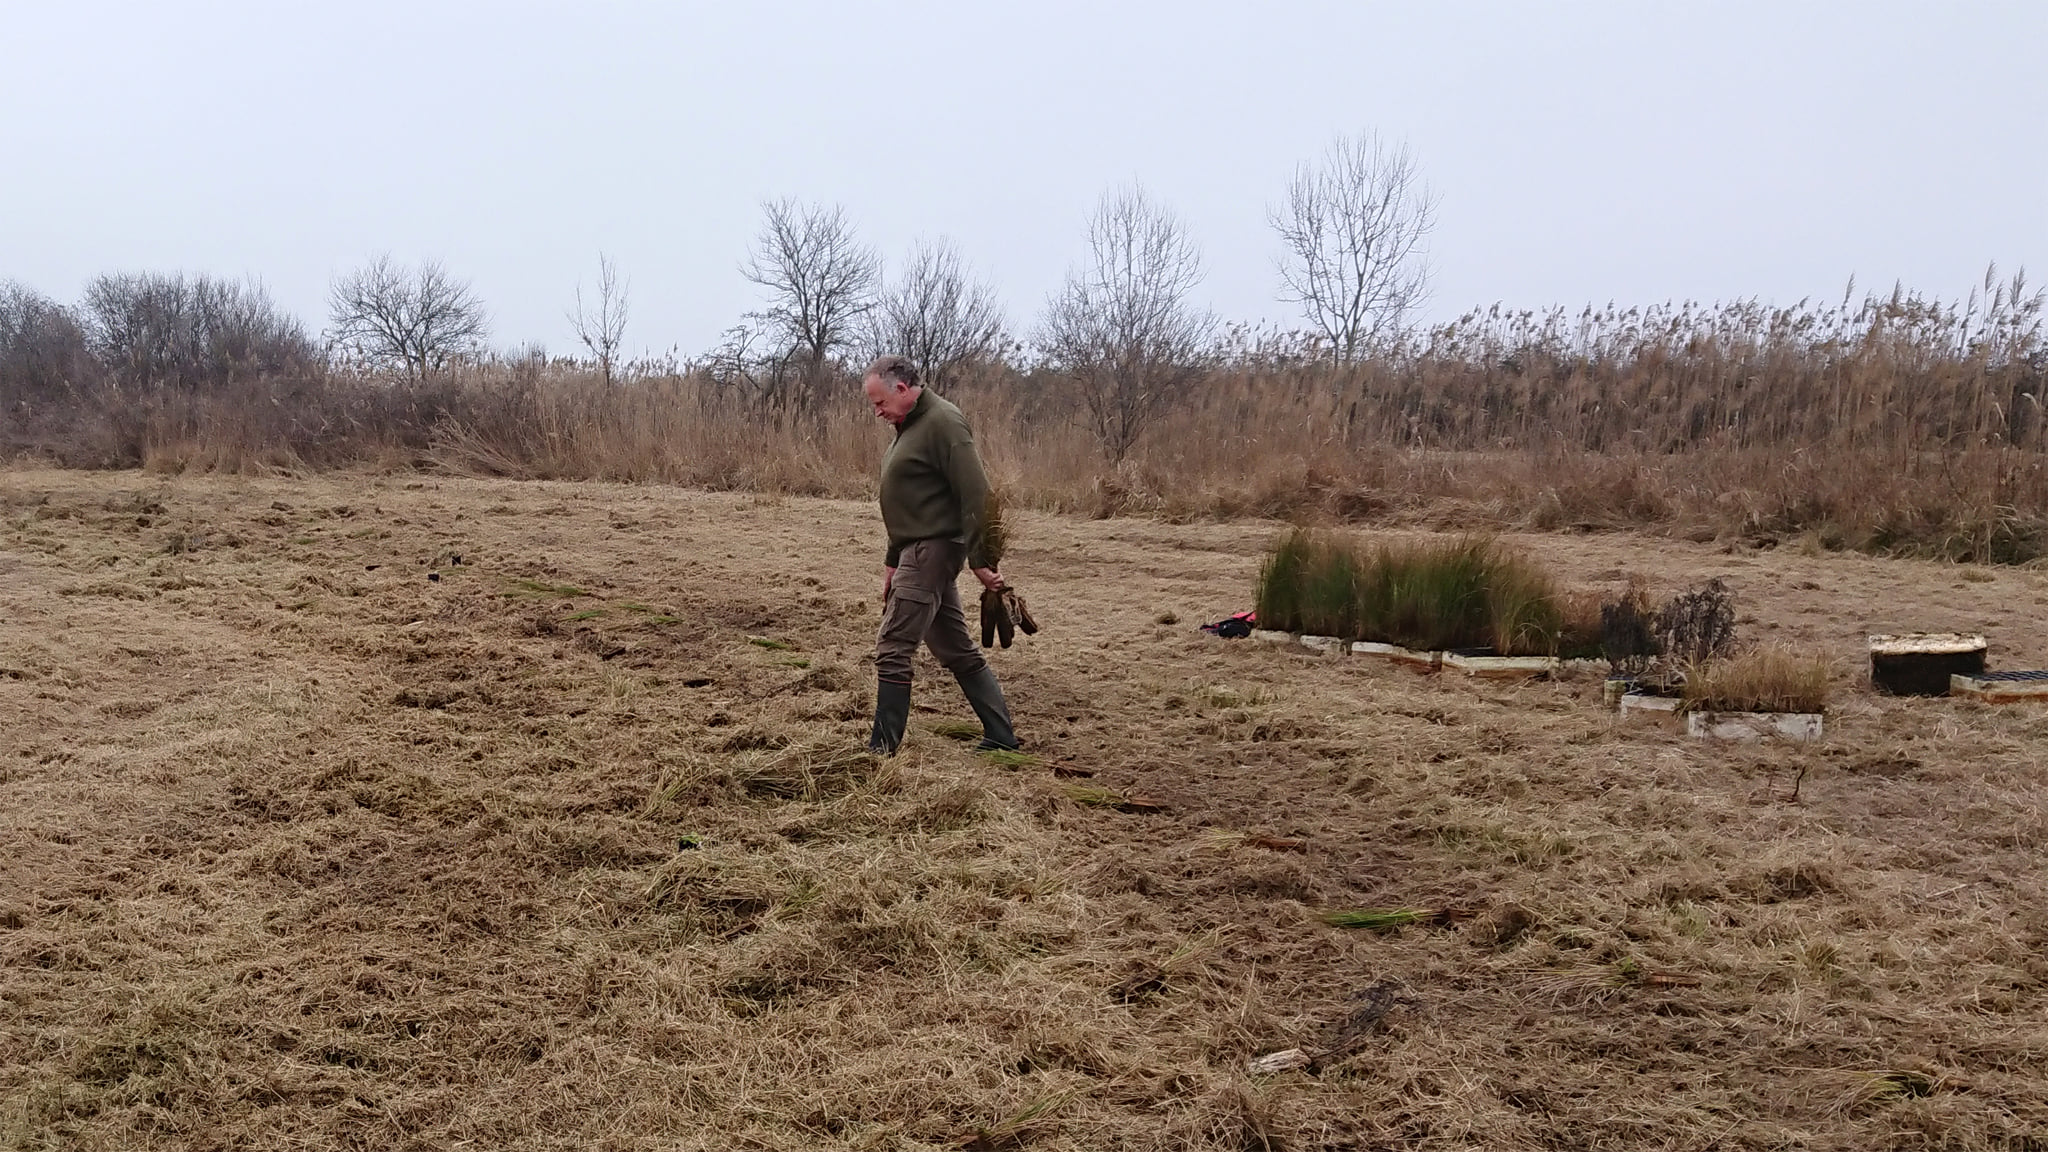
point(892, 713)
point(986, 694)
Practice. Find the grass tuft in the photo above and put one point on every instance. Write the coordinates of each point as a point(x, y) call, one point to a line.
point(1764, 680)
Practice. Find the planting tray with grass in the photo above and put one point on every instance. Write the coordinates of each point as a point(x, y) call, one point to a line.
point(1770, 693)
point(1412, 601)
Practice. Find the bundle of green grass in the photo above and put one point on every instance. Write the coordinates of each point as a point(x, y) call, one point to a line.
point(1467, 593)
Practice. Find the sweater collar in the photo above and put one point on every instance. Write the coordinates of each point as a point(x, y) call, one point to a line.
point(923, 405)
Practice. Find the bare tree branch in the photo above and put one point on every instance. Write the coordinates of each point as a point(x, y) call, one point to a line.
point(1122, 329)
point(937, 315)
point(604, 330)
point(762, 379)
point(1354, 227)
point(412, 319)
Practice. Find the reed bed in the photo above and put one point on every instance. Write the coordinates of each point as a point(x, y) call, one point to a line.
point(1894, 424)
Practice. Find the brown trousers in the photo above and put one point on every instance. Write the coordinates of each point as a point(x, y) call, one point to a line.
point(924, 606)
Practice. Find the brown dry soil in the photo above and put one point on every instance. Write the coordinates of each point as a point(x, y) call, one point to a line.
point(567, 848)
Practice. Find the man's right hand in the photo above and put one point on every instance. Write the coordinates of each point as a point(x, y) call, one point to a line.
point(888, 583)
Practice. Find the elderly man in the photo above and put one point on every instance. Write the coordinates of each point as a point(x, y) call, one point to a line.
point(933, 497)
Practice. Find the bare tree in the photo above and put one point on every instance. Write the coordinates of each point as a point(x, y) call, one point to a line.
point(1122, 328)
point(820, 281)
point(44, 358)
point(937, 315)
point(603, 330)
point(414, 319)
point(1354, 227)
point(153, 332)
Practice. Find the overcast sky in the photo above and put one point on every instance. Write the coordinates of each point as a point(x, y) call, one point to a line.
point(1583, 152)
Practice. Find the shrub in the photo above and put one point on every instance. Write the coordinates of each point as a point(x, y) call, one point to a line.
point(169, 333)
point(42, 348)
point(1764, 680)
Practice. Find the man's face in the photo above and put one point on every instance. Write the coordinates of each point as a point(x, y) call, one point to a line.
point(891, 401)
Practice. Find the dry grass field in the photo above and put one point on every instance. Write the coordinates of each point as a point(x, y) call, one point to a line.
point(400, 812)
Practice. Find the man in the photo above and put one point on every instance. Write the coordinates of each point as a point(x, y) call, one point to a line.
point(933, 497)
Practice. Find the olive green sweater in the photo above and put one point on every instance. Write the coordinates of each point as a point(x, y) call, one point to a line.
point(933, 487)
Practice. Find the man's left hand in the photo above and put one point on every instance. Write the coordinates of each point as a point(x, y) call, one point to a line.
point(990, 579)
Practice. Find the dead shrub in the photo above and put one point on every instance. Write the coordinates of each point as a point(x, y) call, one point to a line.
point(1697, 625)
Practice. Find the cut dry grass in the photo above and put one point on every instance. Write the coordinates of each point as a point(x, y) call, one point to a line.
point(631, 887)
point(1094, 796)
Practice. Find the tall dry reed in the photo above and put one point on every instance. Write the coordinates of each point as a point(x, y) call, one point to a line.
point(1892, 423)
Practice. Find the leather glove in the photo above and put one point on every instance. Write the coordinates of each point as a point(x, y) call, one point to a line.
point(995, 619)
point(1018, 612)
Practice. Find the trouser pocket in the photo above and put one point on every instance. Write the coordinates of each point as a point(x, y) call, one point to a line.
point(904, 622)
